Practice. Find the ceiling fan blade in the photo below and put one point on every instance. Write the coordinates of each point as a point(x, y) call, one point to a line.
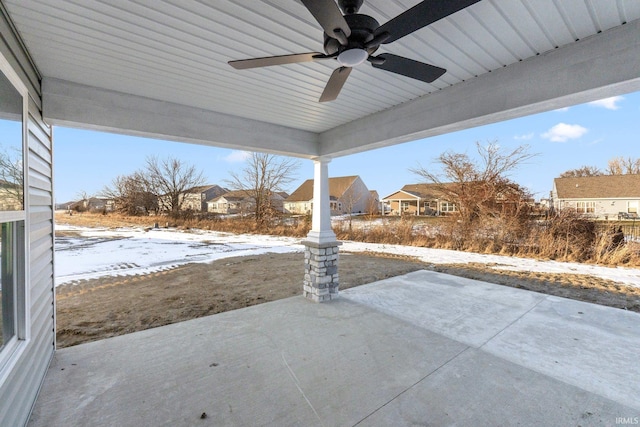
point(243, 64)
point(421, 15)
point(408, 67)
point(335, 83)
point(330, 18)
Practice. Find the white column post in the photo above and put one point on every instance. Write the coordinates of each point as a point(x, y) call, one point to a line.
point(321, 247)
point(321, 231)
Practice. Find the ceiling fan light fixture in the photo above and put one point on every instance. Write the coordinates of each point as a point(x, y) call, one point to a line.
point(352, 57)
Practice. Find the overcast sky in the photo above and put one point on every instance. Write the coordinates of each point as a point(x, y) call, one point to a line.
point(588, 134)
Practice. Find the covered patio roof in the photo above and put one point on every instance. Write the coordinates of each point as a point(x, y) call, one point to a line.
point(159, 69)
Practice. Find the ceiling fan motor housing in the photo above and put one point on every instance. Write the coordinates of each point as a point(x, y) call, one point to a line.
point(362, 30)
point(350, 6)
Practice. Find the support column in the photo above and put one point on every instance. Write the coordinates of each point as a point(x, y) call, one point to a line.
point(321, 246)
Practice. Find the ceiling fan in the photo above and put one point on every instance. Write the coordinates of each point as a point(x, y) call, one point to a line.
point(352, 38)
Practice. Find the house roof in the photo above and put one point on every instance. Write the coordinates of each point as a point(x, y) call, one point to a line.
point(599, 187)
point(203, 188)
point(427, 191)
point(234, 195)
point(238, 195)
point(159, 69)
point(337, 187)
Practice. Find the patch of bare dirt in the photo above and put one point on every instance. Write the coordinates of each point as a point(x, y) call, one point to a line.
point(106, 307)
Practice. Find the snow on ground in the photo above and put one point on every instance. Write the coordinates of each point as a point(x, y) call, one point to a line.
point(629, 276)
point(100, 252)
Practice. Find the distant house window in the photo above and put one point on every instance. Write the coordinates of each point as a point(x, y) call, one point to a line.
point(404, 206)
point(632, 207)
point(585, 207)
point(448, 207)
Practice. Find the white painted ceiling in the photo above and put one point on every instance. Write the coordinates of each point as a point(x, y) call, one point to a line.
point(177, 51)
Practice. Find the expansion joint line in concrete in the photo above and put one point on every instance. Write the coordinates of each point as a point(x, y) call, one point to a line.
point(297, 383)
point(512, 323)
point(452, 358)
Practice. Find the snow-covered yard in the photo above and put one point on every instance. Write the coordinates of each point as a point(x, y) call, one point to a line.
point(87, 253)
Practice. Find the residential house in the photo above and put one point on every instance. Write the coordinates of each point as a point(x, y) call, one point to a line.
point(93, 204)
point(195, 199)
point(419, 199)
point(347, 194)
point(231, 202)
point(605, 197)
point(374, 202)
point(277, 200)
point(242, 201)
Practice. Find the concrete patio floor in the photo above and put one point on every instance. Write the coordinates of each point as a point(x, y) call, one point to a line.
point(420, 349)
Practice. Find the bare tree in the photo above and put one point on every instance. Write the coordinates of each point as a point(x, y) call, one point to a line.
point(479, 187)
point(581, 172)
point(82, 204)
point(350, 198)
point(262, 177)
point(11, 181)
point(132, 194)
point(373, 206)
point(170, 179)
point(621, 166)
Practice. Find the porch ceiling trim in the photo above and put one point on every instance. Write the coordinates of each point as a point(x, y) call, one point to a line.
point(74, 105)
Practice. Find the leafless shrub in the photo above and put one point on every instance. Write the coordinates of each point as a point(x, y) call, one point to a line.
point(566, 236)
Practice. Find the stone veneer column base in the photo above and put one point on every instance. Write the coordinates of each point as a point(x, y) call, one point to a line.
point(320, 271)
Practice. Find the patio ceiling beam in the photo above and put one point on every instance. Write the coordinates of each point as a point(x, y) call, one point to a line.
point(597, 67)
point(75, 105)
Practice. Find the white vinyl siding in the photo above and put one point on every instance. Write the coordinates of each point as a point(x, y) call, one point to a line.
point(21, 377)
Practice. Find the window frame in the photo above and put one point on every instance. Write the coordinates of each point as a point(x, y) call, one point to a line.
point(448, 207)
point(11, 350)
point(585, 206)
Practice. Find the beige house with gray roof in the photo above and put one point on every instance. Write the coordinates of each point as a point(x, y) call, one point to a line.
point(347, 194)
point(419, 199)
point(195, 198)
point(241, 201)
point(604, 197)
